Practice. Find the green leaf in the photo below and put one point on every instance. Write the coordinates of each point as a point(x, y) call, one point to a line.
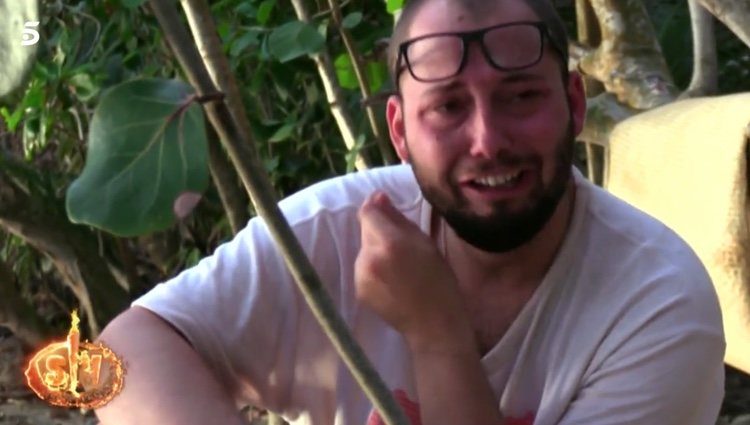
point(85, 86)
point(345, 72)
point(249, 39)
point(132, 4)
point(271, 164)
point(294, 39)
point(352, 20)
point(224, 29)
point(393, 6)
point(246, 9)
point(11, 119)
point(283, 133)
point(323, 28)
point(377, 75)
point(35, 96)
point(146, 160)
point(312, 94)
point(264, 11)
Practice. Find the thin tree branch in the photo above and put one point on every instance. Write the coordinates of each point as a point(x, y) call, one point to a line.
point(629, 60)
point(324, 13)
point(245, 158)
point(603, 113)
point(223, 174)
point(735, 14)
point(124, 270)
point(576, 53)
point(364, 84)
point(334, 94)
point(233, 198)
point(705, 79)
point(589, 35)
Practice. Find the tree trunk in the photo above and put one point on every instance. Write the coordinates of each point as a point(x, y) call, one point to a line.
point(73, 249)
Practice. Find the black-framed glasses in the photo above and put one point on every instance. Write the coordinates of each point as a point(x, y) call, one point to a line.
point(507, 47)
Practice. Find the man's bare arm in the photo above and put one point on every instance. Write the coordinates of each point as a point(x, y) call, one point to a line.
point(166, 382)
point(401, 275)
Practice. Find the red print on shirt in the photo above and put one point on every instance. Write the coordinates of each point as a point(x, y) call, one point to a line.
point(411, 409)
point(526, 420)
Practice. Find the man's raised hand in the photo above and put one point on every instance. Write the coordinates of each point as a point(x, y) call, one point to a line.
point(401, 275)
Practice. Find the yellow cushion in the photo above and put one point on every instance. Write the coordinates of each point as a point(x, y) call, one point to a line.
point(685, 164)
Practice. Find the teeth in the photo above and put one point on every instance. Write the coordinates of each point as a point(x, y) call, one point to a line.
point(493, 181)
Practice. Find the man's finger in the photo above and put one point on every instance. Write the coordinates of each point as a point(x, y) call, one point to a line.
point(379, 208)
point(374, 222)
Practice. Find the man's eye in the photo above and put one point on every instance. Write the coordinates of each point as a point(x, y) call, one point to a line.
point(527, 95)
point(449, 107)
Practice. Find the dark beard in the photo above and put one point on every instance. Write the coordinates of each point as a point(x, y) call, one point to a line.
point(505, 231)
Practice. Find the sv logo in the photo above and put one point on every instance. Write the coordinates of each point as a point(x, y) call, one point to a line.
point(30, 35)
point(75, 373)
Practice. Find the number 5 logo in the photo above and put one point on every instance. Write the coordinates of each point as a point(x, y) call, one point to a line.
point(30, 35)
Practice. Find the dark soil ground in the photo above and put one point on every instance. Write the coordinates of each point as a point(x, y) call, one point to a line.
point(736, 407)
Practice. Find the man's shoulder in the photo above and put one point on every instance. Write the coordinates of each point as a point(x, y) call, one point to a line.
point(636, 267)
point(628, 240)
point(630, 227)
point(346, 193)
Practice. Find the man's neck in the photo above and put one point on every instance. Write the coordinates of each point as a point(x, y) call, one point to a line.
point(524, 266)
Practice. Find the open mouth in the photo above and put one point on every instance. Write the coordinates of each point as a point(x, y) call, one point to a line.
point(497, 181)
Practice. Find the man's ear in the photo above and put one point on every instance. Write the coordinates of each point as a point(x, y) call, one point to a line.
point(395, 116)
point(577, 100)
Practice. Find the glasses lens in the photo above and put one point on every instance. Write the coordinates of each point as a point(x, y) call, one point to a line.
point(433, 58)
point(515, 46)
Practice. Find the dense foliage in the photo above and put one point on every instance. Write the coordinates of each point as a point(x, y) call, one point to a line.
point(91, 46)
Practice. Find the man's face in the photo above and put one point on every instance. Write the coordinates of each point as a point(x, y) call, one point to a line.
point(491, 150)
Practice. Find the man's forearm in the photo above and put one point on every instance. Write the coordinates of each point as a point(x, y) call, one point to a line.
point(166, 382)
point(452, 386)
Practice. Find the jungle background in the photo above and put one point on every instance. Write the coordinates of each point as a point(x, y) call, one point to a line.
point(312, 79)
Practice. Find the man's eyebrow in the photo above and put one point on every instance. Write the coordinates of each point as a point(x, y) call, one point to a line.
point(513, 77)
point(523, 77)
point(442, 88)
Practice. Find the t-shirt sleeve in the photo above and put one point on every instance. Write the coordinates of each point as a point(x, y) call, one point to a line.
point(239, 310)
point(664, 364)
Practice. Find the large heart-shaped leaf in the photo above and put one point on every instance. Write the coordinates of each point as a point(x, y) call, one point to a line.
point(294, 39)
point(19, 36)
point(146, 161)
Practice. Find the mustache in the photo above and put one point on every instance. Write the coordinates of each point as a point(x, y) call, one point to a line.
point(503, 160)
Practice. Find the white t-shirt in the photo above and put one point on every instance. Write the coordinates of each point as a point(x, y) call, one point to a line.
point(624, 329)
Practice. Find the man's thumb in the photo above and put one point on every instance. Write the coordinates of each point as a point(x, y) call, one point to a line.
point(384, 205)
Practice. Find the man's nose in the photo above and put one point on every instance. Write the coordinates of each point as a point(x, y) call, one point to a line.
point(488, 137)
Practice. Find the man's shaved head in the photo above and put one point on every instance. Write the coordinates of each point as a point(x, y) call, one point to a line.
point(544, 10)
